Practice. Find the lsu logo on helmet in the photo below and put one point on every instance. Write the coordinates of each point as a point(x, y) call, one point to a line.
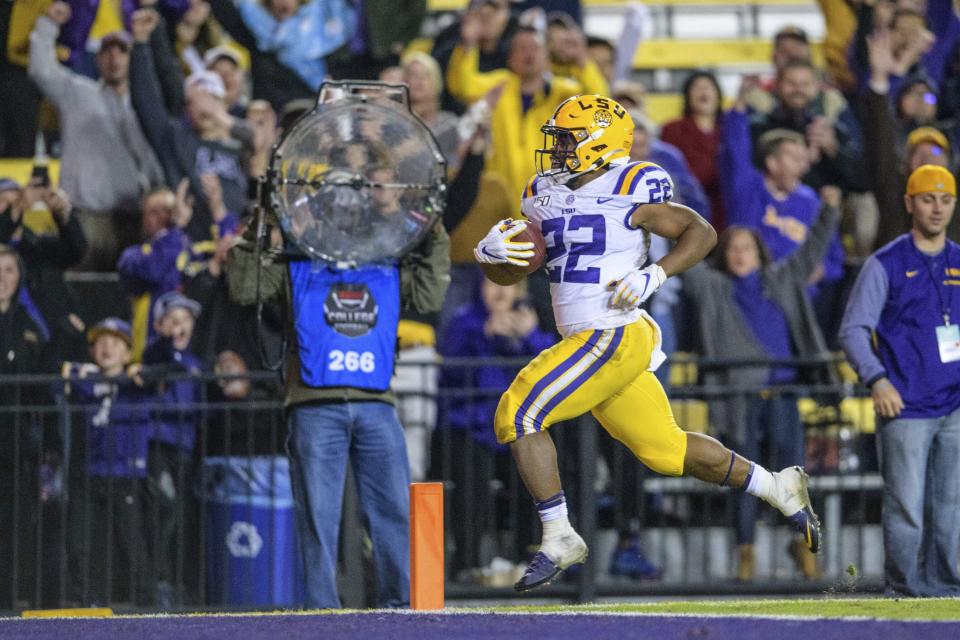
point(585, 133)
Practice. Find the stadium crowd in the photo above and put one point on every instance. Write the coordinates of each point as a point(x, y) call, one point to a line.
point(162, 114)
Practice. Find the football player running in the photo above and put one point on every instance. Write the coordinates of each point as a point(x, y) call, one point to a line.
point(596, 211)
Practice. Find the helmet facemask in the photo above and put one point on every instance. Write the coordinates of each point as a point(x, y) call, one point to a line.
point(559, 158)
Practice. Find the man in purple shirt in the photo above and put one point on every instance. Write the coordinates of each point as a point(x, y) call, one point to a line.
point(901, 335)
point(772, 199)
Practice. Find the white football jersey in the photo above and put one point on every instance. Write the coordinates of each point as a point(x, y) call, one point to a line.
point(590, 242)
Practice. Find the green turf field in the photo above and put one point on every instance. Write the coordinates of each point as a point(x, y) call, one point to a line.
point(906, 609)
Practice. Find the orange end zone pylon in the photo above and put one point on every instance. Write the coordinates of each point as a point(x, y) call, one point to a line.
point(426, 545)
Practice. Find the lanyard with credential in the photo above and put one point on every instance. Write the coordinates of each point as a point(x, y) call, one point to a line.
point(944, 308)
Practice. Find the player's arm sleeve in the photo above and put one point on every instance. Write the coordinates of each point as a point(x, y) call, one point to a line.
point(465, 81)
point(861, 317)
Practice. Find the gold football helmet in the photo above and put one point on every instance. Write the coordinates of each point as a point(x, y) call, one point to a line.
point(585, 133)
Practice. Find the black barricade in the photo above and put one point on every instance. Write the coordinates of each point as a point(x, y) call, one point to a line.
point(141, 500)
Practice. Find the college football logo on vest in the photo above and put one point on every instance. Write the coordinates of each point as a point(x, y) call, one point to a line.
point(350, 309)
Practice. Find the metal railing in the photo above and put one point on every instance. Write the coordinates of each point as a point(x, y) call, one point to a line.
point(88, 518)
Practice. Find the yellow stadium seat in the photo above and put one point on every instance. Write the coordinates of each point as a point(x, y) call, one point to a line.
point(691, 415)
point(692, 54)
point(664, 107)
point(20, 169)
point(859, 412)
point(683, 370)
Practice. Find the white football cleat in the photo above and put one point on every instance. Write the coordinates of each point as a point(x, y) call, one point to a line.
point(793, 500)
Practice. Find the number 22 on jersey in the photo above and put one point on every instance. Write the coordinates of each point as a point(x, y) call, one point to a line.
point(555, 232)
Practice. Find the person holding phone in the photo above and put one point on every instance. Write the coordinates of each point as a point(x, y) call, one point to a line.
point(39, 220)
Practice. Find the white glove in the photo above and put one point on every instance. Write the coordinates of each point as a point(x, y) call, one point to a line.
point(496, 247)
point(634, 288)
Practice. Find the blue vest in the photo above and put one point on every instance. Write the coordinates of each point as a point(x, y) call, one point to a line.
point(346, 324)
point(906, 332)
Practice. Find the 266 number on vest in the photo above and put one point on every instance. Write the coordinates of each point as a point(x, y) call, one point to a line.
point(351, 361)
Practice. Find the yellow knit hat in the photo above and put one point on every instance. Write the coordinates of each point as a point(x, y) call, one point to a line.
point(930, 177)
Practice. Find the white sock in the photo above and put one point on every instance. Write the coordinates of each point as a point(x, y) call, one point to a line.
point(553, 515)
point(556, 528)
point(760, 482)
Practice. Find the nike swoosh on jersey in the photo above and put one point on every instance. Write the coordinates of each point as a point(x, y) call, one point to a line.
point(603, 200)
point(910, 274)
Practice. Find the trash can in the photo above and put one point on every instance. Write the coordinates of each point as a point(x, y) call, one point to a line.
point(253, 557)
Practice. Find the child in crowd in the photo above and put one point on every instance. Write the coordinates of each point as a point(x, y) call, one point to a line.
point(171, 461)
point(107, 469)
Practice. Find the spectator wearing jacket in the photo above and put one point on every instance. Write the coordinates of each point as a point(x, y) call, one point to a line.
point(40, 222)
point(24, 351)
point(772, 199)
point(831, 130)
point(530, 95)
point(921, 42)
point(766, 313)
point(697, 135)
point(791, 44)
point(889, 162)
point(171, 458)
point(207, 141)
point(107, 472)
point(495, 34)
point(301, 34)
point(97, 122)
point(22, 340)
point(384, 29)
point(273, 81)
point(338, 398)
point(901, 335)
point(422, 75)
point(20, 106)
point(91, 21)
point(501, 324)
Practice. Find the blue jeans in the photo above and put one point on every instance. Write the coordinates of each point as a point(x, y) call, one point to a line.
point(321, 438)
point(920, 463)
point(777, 422)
